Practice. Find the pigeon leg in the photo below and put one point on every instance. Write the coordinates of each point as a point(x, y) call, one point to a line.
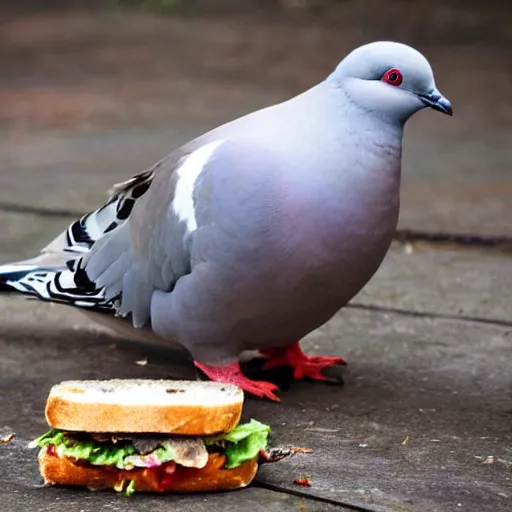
point(232, 374)
point(302, 364)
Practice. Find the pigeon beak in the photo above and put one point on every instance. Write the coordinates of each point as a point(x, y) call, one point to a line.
point(437, 101)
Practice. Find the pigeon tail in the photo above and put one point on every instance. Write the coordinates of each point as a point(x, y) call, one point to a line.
point(57, 274)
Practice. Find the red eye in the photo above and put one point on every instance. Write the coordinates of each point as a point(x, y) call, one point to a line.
point(393, 77)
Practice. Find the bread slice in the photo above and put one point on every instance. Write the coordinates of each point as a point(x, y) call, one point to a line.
point(213, 477)
point(194, 408)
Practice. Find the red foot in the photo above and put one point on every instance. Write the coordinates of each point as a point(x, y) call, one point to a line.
point(302, 364)
point(232, 374)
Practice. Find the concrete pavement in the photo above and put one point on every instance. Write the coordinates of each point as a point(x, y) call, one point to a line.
point(423, 420)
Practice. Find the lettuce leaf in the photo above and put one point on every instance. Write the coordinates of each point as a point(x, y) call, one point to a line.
point(96, 453)
point(241, 444)
point(130, 489)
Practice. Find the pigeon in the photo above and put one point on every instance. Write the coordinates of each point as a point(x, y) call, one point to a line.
point(254, 234)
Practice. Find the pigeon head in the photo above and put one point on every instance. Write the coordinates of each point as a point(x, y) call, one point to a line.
point(389, 79)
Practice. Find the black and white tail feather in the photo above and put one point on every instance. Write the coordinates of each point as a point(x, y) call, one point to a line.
point(56, 274)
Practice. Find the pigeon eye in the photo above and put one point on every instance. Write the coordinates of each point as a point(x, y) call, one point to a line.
point(393, 77)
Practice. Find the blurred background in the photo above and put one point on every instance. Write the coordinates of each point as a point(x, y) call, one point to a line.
point(93, 91)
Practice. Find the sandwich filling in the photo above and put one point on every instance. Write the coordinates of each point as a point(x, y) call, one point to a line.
point(127, 452)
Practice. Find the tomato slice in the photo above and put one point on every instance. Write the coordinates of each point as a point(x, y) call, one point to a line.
point(165, 475)
point(51, 450)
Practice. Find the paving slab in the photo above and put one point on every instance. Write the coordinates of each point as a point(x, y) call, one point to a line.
point(443, 280)
point(257, 500)
point(76, 172)
point(417, 278)
point(23, 236)
point(32, 360)
point(22, 490)
point(69, 130)
point(426, 403)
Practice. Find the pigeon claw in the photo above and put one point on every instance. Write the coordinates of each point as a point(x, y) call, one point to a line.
point(232, 374)
point(304, 366)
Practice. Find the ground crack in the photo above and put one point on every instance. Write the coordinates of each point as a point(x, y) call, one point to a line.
point(36, 210)
point(310, 497)
point(424, 314)
point(408, 235)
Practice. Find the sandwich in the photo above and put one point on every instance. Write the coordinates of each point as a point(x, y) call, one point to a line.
point(151, 436)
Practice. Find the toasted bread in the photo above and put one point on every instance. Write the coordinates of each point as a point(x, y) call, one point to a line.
point(191, 408)
point(213, 477)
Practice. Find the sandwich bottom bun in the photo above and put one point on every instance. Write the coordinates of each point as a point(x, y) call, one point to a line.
point(213, 477)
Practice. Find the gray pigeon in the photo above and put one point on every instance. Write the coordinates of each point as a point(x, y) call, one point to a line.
point(256, 233)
